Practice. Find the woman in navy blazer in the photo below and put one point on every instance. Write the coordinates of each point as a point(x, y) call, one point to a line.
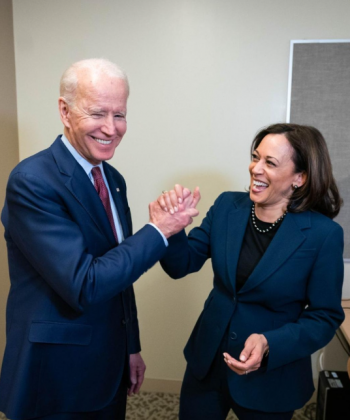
point(278, 273)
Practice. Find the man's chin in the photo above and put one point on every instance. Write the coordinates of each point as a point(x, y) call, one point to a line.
point(101, 156)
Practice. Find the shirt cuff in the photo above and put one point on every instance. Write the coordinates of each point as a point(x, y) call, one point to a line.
point(164, 238)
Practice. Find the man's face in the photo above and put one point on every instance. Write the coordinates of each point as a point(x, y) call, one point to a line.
point(96, 124)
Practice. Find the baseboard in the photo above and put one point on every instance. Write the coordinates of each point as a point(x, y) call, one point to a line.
point(161, 385)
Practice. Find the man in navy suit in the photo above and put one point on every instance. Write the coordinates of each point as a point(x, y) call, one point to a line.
point(73, 344)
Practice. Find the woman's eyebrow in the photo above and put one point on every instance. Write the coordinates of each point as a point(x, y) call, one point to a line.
point(271, 157)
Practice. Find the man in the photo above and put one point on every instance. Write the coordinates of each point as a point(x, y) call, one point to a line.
point(72, 332)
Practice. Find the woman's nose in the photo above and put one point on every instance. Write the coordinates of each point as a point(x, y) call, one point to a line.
point(257, 167)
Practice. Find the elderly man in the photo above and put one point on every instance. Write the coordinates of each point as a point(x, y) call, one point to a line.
point(72, 332)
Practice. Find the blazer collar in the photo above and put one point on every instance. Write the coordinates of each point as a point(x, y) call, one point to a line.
point(288, 238)
point(80, 186)
point(236, 226)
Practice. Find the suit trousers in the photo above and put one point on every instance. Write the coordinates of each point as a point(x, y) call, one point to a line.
point(210, 398)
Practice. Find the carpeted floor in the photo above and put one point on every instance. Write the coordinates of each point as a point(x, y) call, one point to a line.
point(160, 406)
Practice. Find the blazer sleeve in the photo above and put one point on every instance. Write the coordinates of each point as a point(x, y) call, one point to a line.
point(43, 230)
point(187, 254)
point(322, 315)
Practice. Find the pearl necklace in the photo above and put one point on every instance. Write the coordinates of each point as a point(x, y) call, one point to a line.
point(270, 227)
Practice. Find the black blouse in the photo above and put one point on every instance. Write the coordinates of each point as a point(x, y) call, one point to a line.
point(253, 247)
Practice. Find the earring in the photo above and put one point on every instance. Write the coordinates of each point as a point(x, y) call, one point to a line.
point(295, 186)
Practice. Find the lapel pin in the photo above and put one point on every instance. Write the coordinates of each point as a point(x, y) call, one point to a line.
point(118, 190)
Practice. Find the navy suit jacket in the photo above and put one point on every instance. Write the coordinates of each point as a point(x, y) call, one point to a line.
point(71, 313)
point(293, 297)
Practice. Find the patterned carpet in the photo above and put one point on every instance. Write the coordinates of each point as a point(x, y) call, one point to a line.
point(160, 406)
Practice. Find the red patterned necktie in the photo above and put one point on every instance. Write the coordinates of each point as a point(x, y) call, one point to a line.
point(104, 196)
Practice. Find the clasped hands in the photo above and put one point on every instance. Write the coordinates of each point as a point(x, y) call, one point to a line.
point(174, 209)
point(255, 348)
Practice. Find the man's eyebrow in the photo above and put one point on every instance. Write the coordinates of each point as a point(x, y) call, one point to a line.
point(96, 110)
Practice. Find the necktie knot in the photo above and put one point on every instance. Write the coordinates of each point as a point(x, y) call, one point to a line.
point(96, 173)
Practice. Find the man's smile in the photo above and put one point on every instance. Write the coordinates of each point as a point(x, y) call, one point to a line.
point(100, 141)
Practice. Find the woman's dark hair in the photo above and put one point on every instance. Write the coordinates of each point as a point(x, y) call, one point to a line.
point(320, 192)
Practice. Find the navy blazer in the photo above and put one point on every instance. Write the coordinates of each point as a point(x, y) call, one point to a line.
point(293, 297)
point(71, 313)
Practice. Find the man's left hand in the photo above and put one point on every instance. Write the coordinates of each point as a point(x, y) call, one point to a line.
point(137, 373)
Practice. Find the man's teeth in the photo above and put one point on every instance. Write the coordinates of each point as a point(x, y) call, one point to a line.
point(260, 184)
point(103, 141)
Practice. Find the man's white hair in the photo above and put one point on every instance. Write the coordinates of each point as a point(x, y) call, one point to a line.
point(95, 67)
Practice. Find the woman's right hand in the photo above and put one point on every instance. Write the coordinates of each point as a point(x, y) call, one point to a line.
point(179, 198)
point(255, 349)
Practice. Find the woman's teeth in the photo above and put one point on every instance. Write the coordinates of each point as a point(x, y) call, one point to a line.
point(260, 184)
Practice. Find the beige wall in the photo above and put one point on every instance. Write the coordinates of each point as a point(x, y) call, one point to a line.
point(9, 139)
point(205, 76)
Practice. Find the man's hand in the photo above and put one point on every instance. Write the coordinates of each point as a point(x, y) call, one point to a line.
point(171, 223)
point(251, 356)
point(137, 373)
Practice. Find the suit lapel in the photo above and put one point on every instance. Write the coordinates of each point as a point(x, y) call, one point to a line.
point(116, 192)
point(288, 238)
point(236, 226)
point(80, 186)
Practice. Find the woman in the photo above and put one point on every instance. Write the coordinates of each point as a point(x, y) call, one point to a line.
point(278, 273)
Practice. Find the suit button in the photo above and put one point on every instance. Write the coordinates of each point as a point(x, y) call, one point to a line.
point(234, 298)
point(125, 321)
point(233, 336)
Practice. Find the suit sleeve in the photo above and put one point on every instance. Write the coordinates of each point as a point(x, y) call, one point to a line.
point(323, 314)
point(54, 245)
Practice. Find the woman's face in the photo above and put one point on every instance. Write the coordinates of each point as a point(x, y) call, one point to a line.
point(272, 173)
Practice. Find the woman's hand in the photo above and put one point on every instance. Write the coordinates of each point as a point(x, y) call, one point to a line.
point(179, 198)
point(255, 347)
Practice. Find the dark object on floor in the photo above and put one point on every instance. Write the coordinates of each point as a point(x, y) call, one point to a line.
point(333, 396)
